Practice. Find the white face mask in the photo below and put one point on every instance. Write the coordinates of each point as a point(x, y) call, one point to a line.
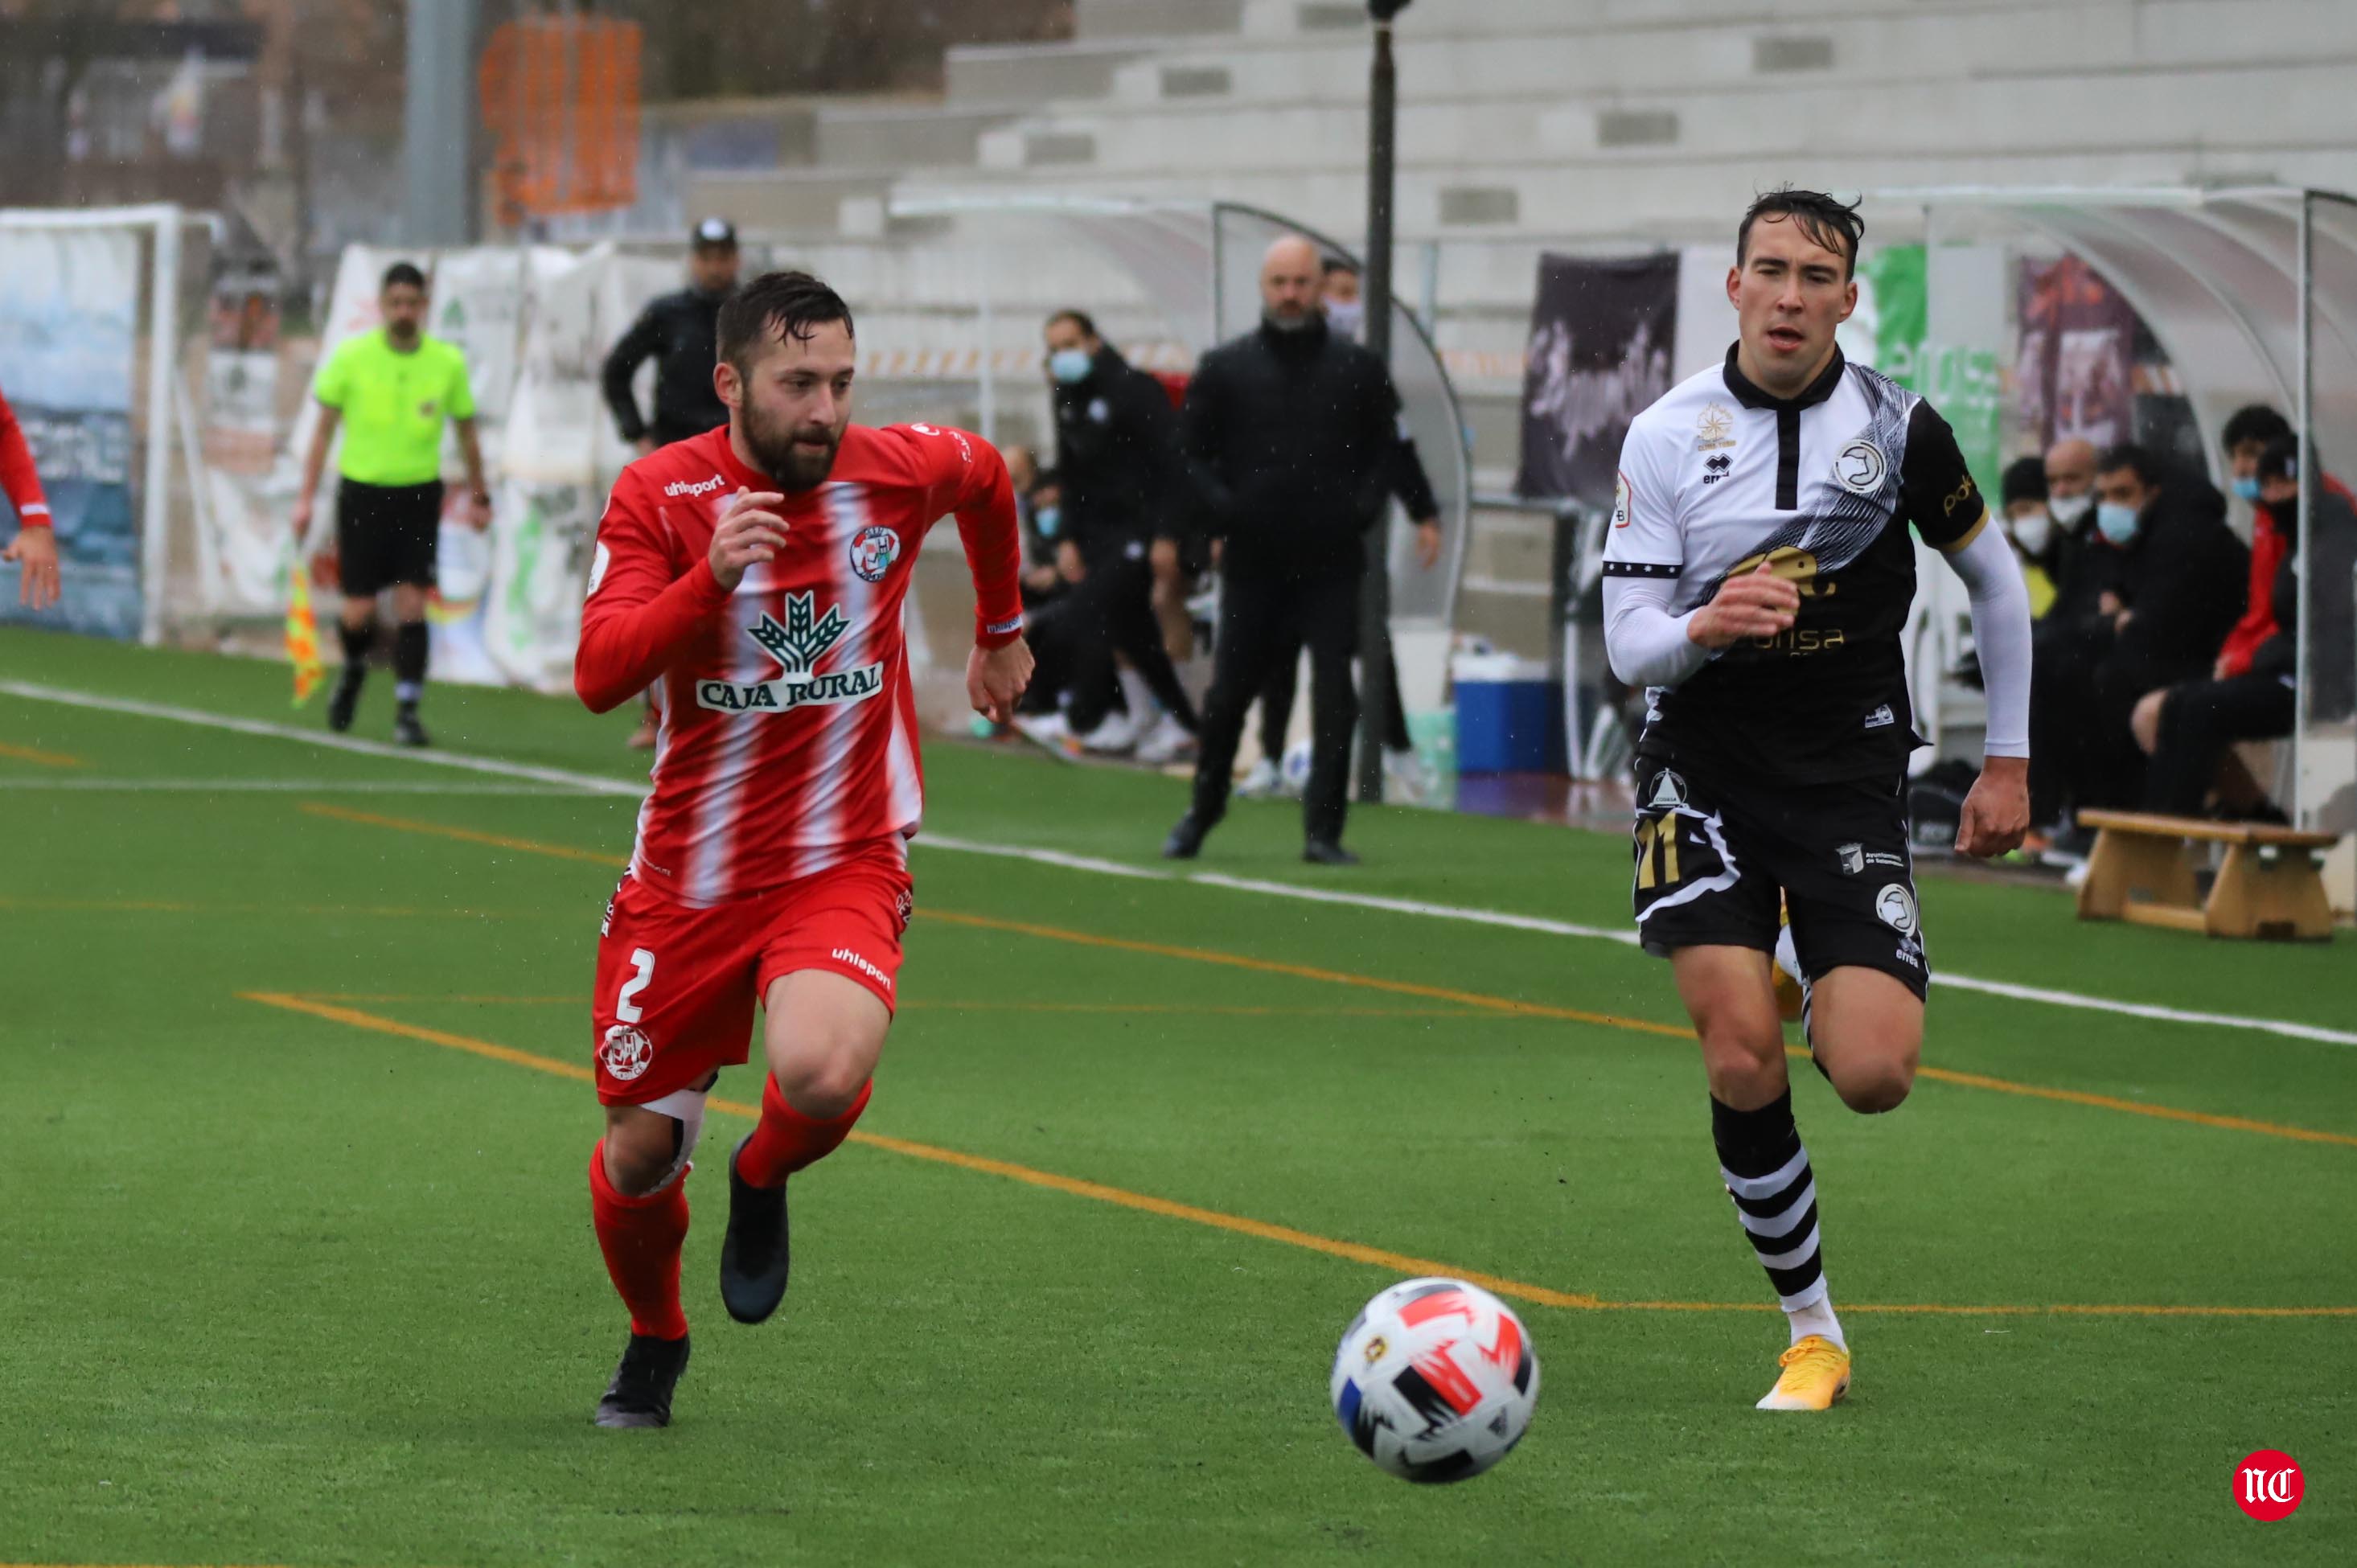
point(2033, 532)
point(2069, 509)
point(1346, 317)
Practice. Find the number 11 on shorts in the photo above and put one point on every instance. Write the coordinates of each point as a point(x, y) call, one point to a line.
point(1657, 838)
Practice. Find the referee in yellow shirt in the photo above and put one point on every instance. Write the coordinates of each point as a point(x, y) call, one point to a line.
point(390, 389)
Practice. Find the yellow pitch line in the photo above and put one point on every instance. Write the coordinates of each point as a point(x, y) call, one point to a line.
point(183, 906)
point(1474, 999)
point(1148, 1008)
point(1397, 1263)
point(46, 760)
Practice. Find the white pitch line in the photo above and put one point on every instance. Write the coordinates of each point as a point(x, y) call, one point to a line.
point(292, 787)
point(593, 784)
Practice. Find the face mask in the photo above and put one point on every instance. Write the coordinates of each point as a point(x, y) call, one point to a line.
point(1070, 366)
point(2117, 523)
point(2069, 509)
point(2033, 532)
point(2246, 485)
point(1050, 519)
point(1346, 317)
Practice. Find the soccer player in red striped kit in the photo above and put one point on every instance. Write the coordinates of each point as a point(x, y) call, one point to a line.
point(755, 576)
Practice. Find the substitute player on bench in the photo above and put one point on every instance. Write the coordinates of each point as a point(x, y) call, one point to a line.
point(1757, 574)
point(755, 575)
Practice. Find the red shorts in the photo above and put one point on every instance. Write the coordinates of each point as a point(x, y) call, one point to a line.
point(676, 986)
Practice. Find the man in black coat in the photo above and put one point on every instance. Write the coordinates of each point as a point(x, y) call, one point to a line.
point(2179, 585)
point(1296, 432)
point(1117, 460)
point(681, 333)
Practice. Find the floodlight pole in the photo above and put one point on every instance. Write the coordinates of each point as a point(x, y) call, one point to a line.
point(2302, 803)
point(437, 115)
point(1377, 675)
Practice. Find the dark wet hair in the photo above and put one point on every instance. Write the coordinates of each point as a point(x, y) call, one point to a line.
point(1829, 223)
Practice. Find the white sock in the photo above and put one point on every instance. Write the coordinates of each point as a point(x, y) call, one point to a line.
point(1817, 1318)
point(1138, 696)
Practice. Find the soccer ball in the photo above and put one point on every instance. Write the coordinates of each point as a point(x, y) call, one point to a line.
point(1435, 1381)
point(1293, 770)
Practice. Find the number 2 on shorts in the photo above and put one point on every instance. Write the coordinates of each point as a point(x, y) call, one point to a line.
point(625, 1006)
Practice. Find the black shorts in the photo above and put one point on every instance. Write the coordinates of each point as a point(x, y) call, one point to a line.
point(386, 534)
point(1713, 856)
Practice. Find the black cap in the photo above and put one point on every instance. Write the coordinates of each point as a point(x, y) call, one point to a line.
point(2280, 460)
point(2024, 480)
point(714, 235)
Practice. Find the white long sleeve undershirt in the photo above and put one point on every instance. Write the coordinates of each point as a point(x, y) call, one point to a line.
point(1646, 644)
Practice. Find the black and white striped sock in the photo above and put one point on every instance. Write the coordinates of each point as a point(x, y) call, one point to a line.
point(1767, 1174)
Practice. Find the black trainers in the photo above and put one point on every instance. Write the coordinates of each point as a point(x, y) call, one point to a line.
point(344, 702)
point(1326, 851)
point(1186, 840)
point(407, 730)
point(755, 1253)
point(640, 1395)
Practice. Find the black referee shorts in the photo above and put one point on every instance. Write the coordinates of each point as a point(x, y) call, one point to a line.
point(1713, 855)
point(386, 534)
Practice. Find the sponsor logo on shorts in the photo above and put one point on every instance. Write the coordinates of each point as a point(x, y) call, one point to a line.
point(1883, 857)
point(873, 553)
point(626, 1055)
point(1896, 908)
point(697, 488)
point(798, 645)
point(904, 908)
point(845, 955)
point(1852, 857)
point(1669, 792)
point(1881, 718)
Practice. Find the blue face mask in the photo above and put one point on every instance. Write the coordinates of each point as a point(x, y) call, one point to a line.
point(1070, 366)
point(1050, 519)
point(2246, 485)
point(2117, 523)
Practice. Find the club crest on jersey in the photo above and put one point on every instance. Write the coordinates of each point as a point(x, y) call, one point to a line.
point(1860, 468)
point(1714, 429)
point(873, 553)
point(798, 645)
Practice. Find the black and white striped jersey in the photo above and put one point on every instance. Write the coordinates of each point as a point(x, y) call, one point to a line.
point(1717, 477)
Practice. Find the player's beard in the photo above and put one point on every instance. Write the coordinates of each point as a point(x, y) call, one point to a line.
point(790, 456)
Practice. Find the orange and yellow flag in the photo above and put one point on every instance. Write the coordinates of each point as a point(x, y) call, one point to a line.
point(302, 634)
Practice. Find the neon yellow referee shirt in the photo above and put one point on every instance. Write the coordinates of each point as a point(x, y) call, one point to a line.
point(394, 406)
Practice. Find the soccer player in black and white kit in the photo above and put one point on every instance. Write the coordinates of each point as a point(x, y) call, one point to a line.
point(1757, 574)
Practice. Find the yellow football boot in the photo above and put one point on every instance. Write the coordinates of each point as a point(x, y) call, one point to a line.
point(1816, 1376)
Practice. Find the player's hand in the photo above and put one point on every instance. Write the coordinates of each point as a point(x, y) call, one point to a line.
point(749, 531)
point(1760, 605)
point(479, 511)
point(35, 551)
point(1427, 543)
point(1996, 809)
point(1068, 562)
point(302, 518)
point(996, 679)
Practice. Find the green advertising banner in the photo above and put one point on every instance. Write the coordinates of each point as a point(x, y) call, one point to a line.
point(1961, 382)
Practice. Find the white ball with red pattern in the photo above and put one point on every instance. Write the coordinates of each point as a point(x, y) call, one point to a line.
point(1435, 1381)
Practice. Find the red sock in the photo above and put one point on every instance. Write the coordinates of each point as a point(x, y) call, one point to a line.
point(786, 1141)
point(641, 1238)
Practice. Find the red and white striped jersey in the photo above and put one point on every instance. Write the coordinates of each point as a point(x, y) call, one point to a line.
point(788, 725)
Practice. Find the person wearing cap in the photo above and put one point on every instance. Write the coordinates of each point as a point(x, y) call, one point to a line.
point(2031, 529)
point(2187, 728)
point(679, 332)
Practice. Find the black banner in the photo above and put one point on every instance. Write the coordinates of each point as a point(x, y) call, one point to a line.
point(1601, 342)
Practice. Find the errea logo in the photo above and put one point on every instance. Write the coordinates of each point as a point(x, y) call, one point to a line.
point(699, 487)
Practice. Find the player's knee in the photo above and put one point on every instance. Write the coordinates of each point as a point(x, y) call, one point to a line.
point(641, 1149)
point(1876, 1084)
point(1744, 1061)
point(823, 1087)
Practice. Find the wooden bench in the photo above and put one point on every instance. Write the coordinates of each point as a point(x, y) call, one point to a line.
point(2267, 888)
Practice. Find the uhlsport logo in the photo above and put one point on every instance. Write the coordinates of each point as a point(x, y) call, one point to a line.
point(2269, 1485)
point(797, 646)
point(845, 956)
point(699, 487)
point(626, 1054)
point(873, 553)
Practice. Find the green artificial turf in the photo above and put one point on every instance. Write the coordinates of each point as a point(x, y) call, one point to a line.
point(282, 1289)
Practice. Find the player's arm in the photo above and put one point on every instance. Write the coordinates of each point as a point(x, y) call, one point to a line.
point(1649, 642)
point(35, 548)
point(642, 609)
point(639, 344)
point(471, 451)
point(968, 479)
point(1950, 512)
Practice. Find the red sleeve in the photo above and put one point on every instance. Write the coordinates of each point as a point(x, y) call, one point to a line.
point(16, 475)
point(965, 475)
point(642, 607)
